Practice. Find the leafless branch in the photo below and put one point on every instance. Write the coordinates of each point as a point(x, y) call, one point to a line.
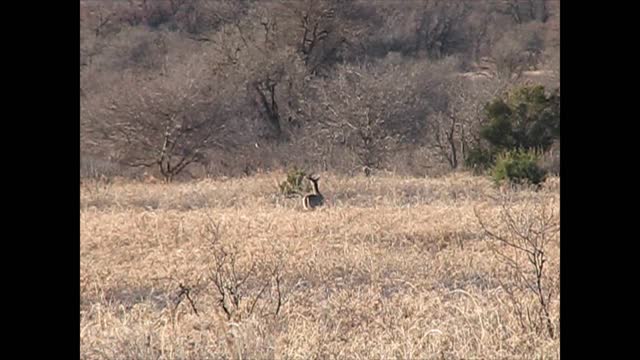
point(527, 233)
point(184, 292)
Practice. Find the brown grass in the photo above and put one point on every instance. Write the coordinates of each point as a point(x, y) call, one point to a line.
point(391, 267)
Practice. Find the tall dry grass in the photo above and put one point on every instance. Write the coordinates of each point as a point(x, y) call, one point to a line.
point(391, 267)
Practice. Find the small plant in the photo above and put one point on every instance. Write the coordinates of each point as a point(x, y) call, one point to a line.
point(247, 287)
point(523, 239)
point(518, 167)
point(294, 184)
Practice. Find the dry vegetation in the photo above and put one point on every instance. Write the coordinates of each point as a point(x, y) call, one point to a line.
point(216, 97)
point(392, 267)
point(192, 88)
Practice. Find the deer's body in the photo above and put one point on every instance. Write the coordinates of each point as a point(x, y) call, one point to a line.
point(315, 199)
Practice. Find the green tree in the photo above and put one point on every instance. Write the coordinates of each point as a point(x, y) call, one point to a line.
point(527, 118)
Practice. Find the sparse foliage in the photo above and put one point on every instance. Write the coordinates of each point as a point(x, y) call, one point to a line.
point(168, 125)
point(361, 111)
point(522, 238)
point(240, 283)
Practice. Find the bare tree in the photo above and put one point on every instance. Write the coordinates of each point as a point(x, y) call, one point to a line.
point(518, 49)
point(321, 32)
point(271, 75)
point(169, 123)
point(373, 110)
point(317, 22)
point(455, 120)
point(439, 25)
point(428, 28)
point(97, 21)
point(242, 283)
point(282, 46)
point(523, 11)
point(275, 90)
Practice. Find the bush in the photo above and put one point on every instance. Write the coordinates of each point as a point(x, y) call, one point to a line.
point(479, 159)
point(518, 167)
point(294, 184)
point(527, 118)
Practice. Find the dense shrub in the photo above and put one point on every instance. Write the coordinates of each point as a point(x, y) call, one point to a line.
point(518, 167)
point(527, 118)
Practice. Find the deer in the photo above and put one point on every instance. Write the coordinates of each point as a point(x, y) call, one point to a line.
point(314, 199)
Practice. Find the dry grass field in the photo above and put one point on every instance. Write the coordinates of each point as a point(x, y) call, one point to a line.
point(389, 268)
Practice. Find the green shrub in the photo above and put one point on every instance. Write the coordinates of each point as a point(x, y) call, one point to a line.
point(294, 184)
point(518, 167)
point(479, 159)
point(526, 118)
